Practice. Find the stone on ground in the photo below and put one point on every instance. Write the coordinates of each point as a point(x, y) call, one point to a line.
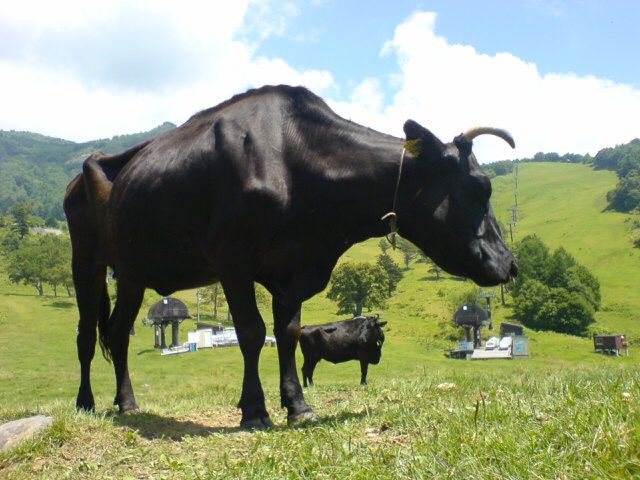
point(15, 432)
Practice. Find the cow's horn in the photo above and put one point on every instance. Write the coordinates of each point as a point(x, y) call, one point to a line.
point(472, 133)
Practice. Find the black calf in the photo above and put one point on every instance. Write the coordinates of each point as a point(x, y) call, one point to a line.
point(360, 338)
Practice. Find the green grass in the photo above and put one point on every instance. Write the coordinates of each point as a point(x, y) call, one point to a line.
point(564, 413)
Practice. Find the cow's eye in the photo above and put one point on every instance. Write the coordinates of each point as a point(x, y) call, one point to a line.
point(379, 343)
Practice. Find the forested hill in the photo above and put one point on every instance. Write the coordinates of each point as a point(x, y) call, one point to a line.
point(623, 159)
point(35, 168)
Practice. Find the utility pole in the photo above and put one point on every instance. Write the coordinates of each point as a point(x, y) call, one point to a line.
point(514, 214)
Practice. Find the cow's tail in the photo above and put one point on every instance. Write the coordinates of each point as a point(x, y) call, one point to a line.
point(103, 324)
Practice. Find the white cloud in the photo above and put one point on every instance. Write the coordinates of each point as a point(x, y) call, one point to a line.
point(449, 88)
point(84, 70)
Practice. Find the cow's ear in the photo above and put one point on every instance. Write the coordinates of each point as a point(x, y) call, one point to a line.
point(382, 324)
point(421, 143)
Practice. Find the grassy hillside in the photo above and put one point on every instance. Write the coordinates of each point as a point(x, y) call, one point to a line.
point(36, 169)
point(564, 413)
point(565, 205)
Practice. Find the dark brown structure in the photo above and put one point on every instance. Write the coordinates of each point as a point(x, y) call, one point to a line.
point(512, 329)
point(611, 344)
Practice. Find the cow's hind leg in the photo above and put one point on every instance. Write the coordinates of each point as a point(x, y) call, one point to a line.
point(124, 315)
point(240, 294)
point(287, 331)
point(93, 305)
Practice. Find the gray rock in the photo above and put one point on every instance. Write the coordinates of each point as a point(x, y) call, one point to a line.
point(17, 431)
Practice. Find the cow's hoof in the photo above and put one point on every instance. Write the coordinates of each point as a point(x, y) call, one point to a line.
point(85, 402)
point(88, 407)
point(127, 407)
point(252, 424)
point(302, 417)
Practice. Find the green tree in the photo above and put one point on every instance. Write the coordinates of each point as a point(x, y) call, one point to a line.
point(27, 265)
point(21, 214)
point(547, 308)
point(355, 286)
point(214, 295)
point(10, 241)
point(556, 266)
point(393, 271)
point(409, 251)
point(578, 279)
point(626, 196)
point(384, 245)
point(57, 251)
point(40, 260)
point(553, 291)
point(532, 256)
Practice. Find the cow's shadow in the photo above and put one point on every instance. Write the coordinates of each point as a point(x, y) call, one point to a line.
point(154, 427)
point(61, 304)
point(327, 420)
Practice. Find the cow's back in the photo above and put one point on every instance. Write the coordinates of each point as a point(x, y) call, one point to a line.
point(336, 342)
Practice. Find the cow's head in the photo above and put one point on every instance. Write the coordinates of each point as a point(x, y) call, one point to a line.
point(371, 338)
point(449, 215)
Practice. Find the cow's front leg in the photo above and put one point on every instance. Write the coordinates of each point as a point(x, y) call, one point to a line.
point(308, 366)
point(251, 333)
point(287, 330)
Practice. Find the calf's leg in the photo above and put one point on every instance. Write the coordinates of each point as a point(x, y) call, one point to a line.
point(364, 366)
point(287, 330)
point(308, 367)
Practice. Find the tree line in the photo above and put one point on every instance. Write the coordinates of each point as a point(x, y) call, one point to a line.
point(37, 260)
point(505, 167)
point(625, 161)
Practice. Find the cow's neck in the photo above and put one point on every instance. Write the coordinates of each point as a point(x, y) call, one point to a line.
point(373, 177)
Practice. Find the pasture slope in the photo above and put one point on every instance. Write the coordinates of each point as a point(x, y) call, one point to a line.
point(564, 413)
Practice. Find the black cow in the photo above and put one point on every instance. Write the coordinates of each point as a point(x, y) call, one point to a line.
point(359, 338)
point(270, 186)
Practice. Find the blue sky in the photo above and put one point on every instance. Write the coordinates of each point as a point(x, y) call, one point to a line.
point(587, 37)
point(561, 75)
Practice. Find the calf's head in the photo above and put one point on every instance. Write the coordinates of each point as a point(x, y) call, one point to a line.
point(371, 338)
point(449, 215)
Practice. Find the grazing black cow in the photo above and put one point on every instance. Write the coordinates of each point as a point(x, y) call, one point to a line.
point(270, 186)
point(360, 338)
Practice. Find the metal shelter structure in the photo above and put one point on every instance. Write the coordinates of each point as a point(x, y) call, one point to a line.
point(167, 311)
point(472, 318)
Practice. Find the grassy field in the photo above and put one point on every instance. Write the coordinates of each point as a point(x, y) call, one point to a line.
point(564, 413)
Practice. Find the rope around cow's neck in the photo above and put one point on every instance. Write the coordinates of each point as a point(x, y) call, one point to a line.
point(392, 217)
